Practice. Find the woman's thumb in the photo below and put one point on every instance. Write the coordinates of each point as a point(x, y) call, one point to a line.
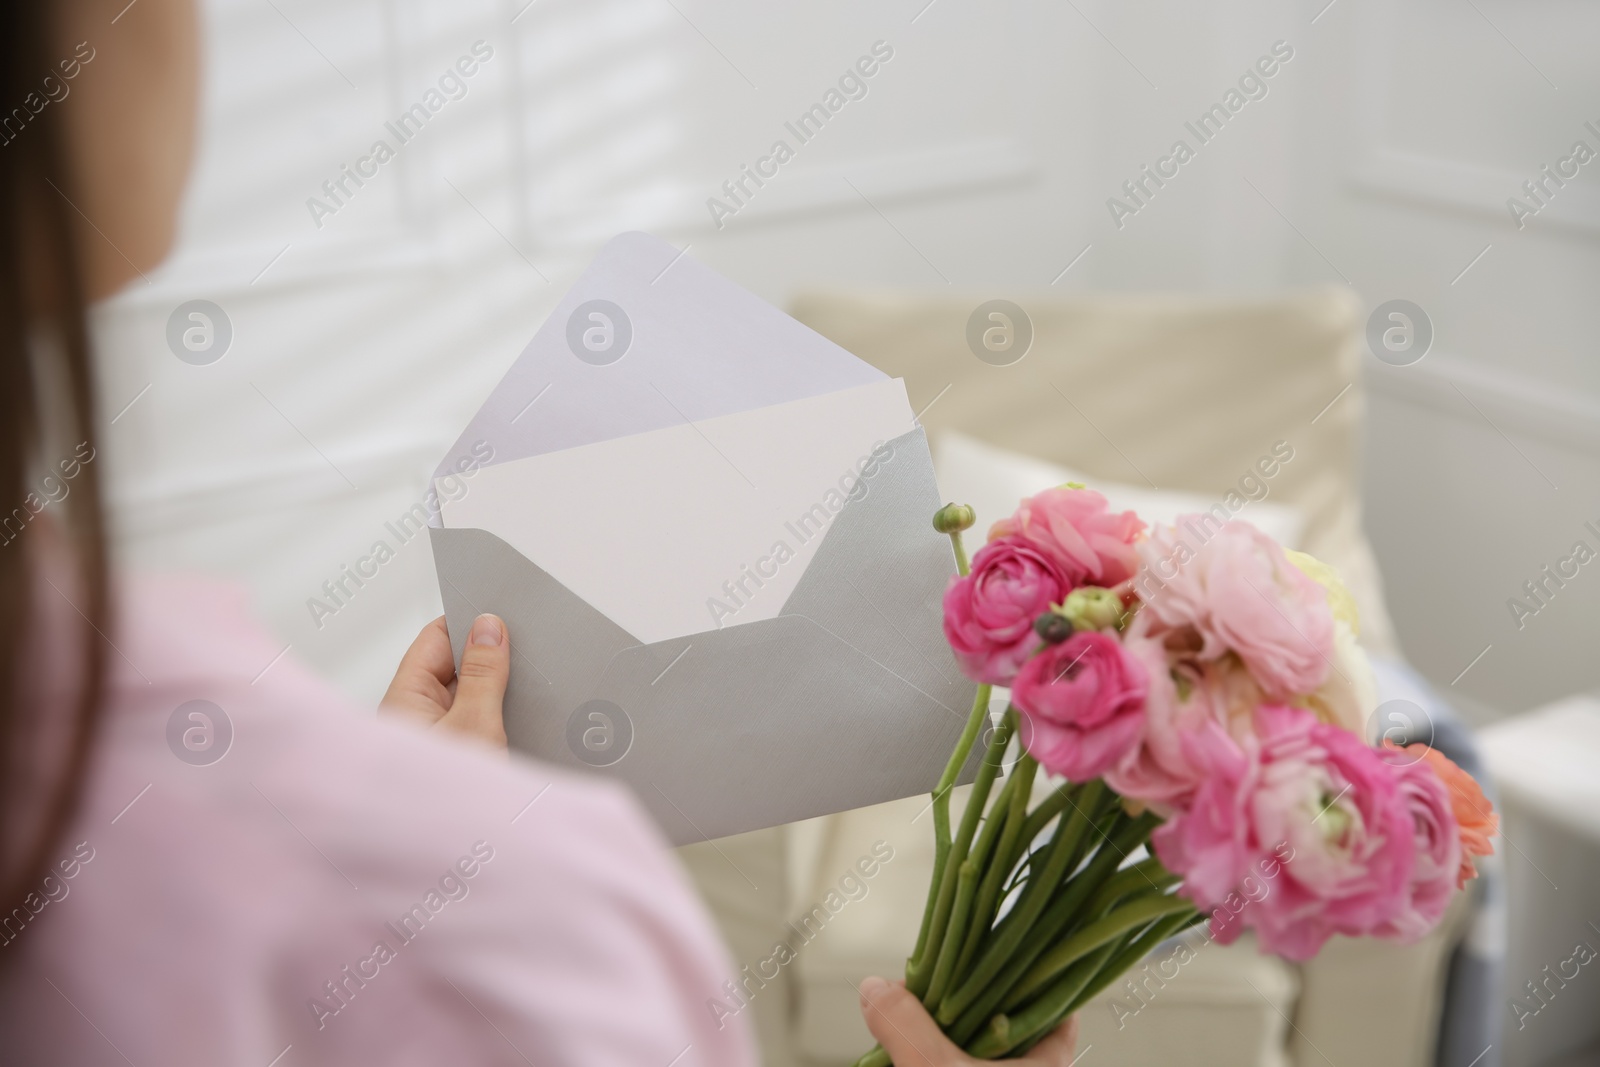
point(903, 1027)
point(481, 681)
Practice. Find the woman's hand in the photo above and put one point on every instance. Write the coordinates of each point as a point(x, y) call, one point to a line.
point(912, 1039)
point(428, 689)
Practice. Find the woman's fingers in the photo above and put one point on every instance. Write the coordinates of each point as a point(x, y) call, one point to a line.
point(481, 682)
point(912, 1039)
point(421, 685)
point(430, 652)
point(904, 1028)
point(428, 687)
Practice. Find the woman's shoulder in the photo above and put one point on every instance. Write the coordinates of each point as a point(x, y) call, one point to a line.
point(207, 711)
point(262, 829)
point(205, 700)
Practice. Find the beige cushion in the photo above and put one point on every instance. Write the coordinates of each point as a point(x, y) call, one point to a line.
point(743, 880)
point(1176, 392)
point(1375, 1003)
point(870, 936)
point(991, 479)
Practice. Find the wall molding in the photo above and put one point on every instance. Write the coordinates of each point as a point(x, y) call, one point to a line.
point(241, 269)
point(1449, 184)
point(1516, 404)
point(959, 167)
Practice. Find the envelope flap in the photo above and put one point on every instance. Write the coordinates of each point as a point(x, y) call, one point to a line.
point(556, 637)
point(877, 581)
point(648, 338)
point(710, 524)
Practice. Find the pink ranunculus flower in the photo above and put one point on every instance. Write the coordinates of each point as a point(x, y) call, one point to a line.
point(1084, 700)
point(989, 613)
point(1157, 771)
point(1300, 831)
point(1438, 843)
point(1238, 592)
point(1185, 693)
point(1092, 544)
point(1211, 840)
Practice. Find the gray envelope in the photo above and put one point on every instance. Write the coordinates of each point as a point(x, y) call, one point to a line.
point(849, 697)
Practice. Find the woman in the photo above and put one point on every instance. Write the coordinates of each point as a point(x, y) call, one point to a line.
point(206, 861)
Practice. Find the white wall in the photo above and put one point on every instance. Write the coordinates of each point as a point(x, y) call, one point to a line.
point(982, 156)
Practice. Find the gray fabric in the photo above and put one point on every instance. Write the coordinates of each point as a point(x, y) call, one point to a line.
point(1472, 1020)
point(850, 697)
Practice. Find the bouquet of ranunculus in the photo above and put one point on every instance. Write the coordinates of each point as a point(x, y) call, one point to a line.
point(1200, 693)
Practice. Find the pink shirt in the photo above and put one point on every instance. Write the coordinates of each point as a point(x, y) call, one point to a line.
point(341, 889)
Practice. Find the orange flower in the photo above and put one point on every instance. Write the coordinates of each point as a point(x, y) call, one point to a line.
point(1474, 814)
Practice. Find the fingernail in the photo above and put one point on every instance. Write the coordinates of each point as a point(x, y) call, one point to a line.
point(874, 987)
point(487, 631)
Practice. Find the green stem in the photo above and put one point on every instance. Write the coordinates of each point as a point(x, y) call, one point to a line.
point(1138, 912)
point(995, 820)
point(1066, 908)
point(966, 889)
point(1146, 874)
point(941, 949)
point(1129, 952)
point(918, 964)
point(963, 567)
point(1015, 814)
point(1023, 858)
point(1134, 951)
point(875, 1058)
point(1005, 1032)
point(1059, 800)
point(1063, 850)
point(1012, 795)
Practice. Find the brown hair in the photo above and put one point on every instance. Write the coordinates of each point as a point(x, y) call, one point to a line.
point(44, 368)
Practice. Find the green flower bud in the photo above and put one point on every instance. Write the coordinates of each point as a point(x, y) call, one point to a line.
point(953, 518)
point(1091, 607)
